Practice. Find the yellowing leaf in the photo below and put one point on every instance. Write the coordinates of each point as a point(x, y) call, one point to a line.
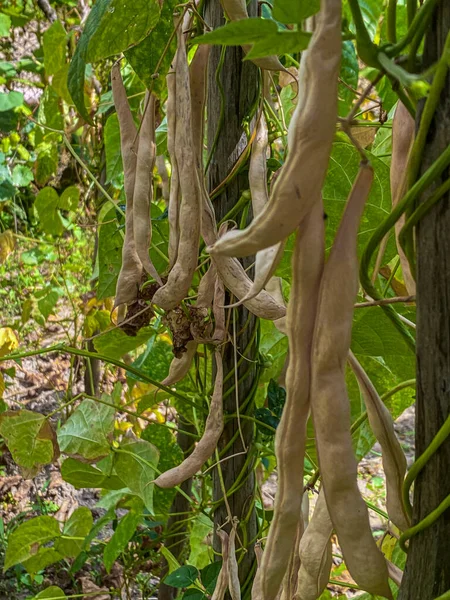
point(8, 341)
point(6, 245)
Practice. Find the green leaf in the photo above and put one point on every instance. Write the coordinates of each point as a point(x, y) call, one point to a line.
point(22, 176)
point(49, 114)
point(41, 559)
point(349, 75)
point(115, 343)
point(110, 242)
point(135, 464)
point(51, 593)
point(47, 162)
point(82, 475)
point(76, 74)
point(123, 25)
point(209, 574)
point(70, 198)
point(182, 577)
point(29, 437)
point(46, 204)
point(87, 432)
point(281, 42)
point(199, 553)
point(24, 540)
point(47, 300)
point(235, 33)
point(154, 361)
point(55, 42)
point(289, 12)
point(122, 535)
point(77, 526)
point(5, 25)
point(170, 558)
point(146, 56)
point(10, 100)
point(114, 167)
point(59, 83)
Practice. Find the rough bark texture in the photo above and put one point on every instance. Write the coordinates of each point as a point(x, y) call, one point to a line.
point(240, 85)
point(427, 573)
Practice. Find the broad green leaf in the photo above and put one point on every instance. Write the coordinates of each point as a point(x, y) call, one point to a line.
point(76, 74)
point(146, 56)
point(286, 11)
point(349, 75)
point(29, 437)
point(77, 526)
point(182, 577)
point(41, 559)
point(10, 100)
point(46, 163)
point(122, 535)
point(7, 69)
point(115, 343)
point(209, 574)
point(51, 593)
point(55, 42)
point(135, 464)
point(50, 114)
point(371, 11)
point(88, 431)
point(114, 167)
point(200, 553)
point(5, 25)
point(28, 537)
point(22, 176)
point(170, 455)
point(47, 203)
point(155, 360)
point(123, 25)
point(110, 242)
point(82, 475)
point(281, 42)
point(47, 300)
point(59, 84)
point(70, 198)
point(170, 558)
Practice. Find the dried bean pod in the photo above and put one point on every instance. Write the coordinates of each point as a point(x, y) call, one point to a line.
point(315, 554)
point(207, 444)
point(174, 195)
point(130, 275)
point(143, 187)
point(222, 579)
point(180, 276)
point(403, 129)
point(236, 10)
point(311, 134)
point(219, 311)
point(395, 573)
point(198, 70)
point(291, 575)
point(274, 288)
point(233, 573)
point(179, 367)
point(331, 345)
point(290, 439)
point(256, 586)
point(394, 461)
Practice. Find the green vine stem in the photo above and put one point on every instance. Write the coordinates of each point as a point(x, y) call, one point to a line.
point(413, 193)
point(415, 24)
point(391, 19)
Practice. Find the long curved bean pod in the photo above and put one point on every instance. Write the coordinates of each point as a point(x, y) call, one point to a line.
point(131, 270)
point(198, 70)
point(315, 553)
point(256, 587)
point(311, 134)
point(233, 574)
point(290, 439)
point(331, 345)
point(403, 128)
point(143, 187)
point(208, 443)
point(394, 461)
point(180, 276)
point(174, 194)
point(222, 580)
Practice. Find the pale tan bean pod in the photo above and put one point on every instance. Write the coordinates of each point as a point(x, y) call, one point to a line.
point(315, 553)
point(291, 575)
point(198, 71)
point(236, 10)
point(311, 134)
point(130, 275)
point(395, 573)
point(174, 194)
point(256, 586)
point(220, 330)
point(233, 572)
point(180, 276)
point(143, 187)
point(394, 461)
point(330, 404)
point(206, 446)
point(274, 288)
point(403, 130)
point(290, 439)
point(222, 580)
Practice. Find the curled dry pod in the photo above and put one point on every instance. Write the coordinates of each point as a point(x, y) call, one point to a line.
point(219, 311)
point(256, 586)
point(233, 573)
point(207, 444)
point(291, 575)
point(174, 193)
point(330, 404)
point(143, 187)
point(274, 288)
point(394, 461)
point(180, 276)
point(403, 129)
point(290, 439)
point(311, 134)
point(198, 70)
point(179, 367)
point(236, 10)
point(131, 270)
point(222, 579)
point(315, 553)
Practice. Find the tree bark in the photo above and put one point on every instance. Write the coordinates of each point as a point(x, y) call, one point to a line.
point(427, 573)
point(240, 85)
